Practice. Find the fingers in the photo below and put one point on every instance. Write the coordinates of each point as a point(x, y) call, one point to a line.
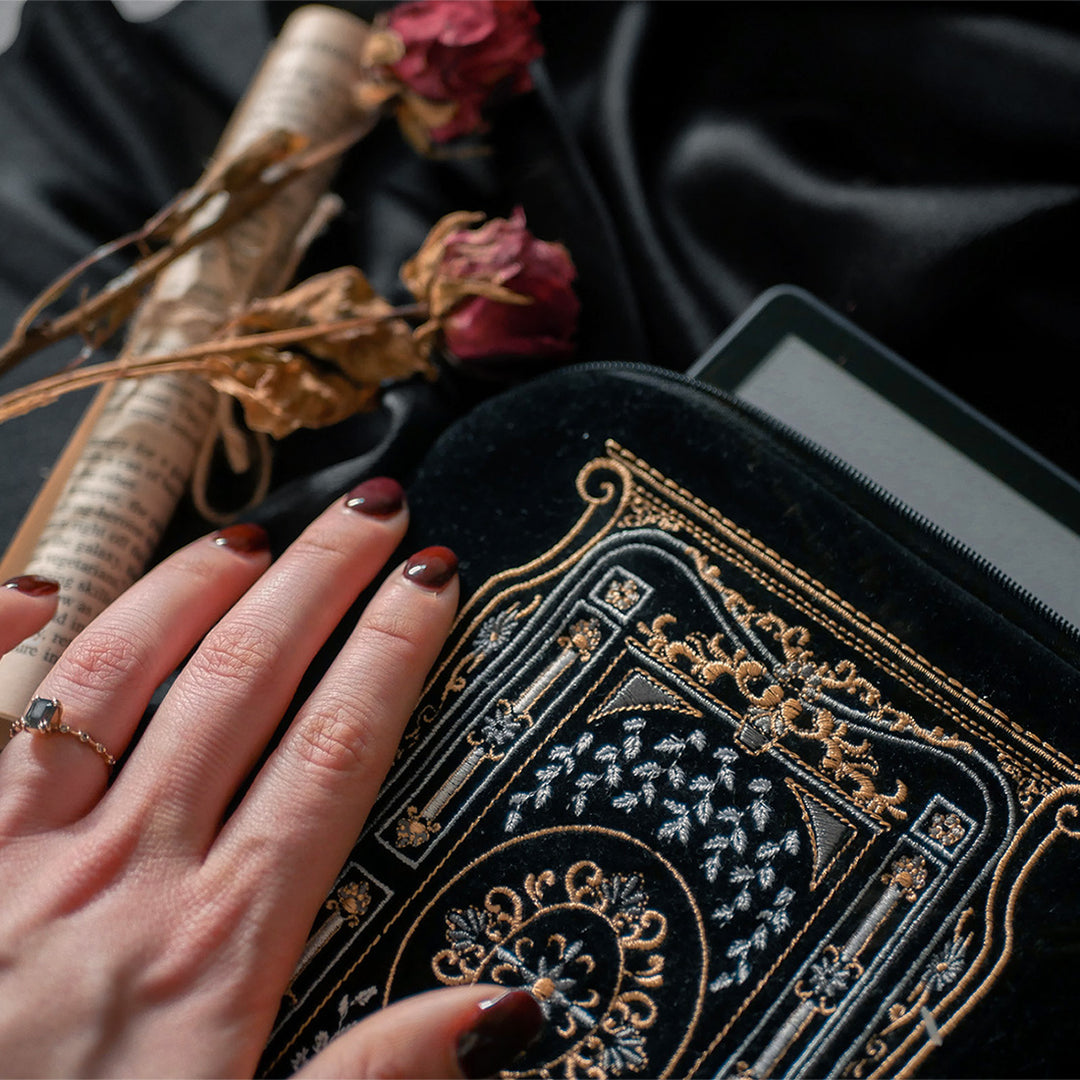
point(27, 603)
point(107, 675)
point(461, 1032)
point(310, 800)
point(228, 701)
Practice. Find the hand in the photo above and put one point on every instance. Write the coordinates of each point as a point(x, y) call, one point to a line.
point(144, 929)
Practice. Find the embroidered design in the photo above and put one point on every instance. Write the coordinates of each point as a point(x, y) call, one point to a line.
point(584, 636)
point(944, 970)
point(790, 700)
point(346, 1004)
point(834, 830)
point(640, 692)
point(829, 981)
point(642, 511)
point(946, 829)
point(351, 901)
point(829, 833)
point(622, 595)
point(536, 937)
point(414, 830)
point(491, 737)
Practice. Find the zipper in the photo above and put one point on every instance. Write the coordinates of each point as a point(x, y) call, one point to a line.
point(807, 447)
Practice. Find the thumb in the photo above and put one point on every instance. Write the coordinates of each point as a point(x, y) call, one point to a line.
point(467, 1031)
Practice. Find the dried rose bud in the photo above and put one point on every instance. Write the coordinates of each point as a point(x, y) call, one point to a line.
point(495, 291)
point(457, 52)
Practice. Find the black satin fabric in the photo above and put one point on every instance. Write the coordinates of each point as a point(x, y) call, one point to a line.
point(915, 166)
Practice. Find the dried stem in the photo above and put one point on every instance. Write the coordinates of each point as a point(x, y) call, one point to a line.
point(27, 339)
point(194, 358)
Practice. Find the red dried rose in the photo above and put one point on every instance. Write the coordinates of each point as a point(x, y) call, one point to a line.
point(459, 51)
point(495, 291)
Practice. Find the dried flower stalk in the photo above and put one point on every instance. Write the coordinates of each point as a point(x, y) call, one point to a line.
point(246, 181)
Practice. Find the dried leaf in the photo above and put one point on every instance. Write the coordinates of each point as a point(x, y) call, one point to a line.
point(372, 94)
point(381, 47)
point(280, 392)
point(419, 116)
point(446, 293)
point(381, 349)
point(249, 164)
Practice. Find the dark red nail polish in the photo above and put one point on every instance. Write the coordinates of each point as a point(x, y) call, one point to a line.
point(33, 585)
point(245, 538)
point(378, 497)
point(433, 568)
point(502, 1028)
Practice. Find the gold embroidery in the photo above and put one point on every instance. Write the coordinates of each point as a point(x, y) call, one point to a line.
point(642, 511)
point(742, 541)
point(509, 939)
point(944, 969)
point(907, 875)
point(1003, 891)
point(622, 595)
point(352, 901)
point(413, 830)
point(1032, 785)
point(584, 636)
point(946, 829)
point(631, 493)
point(779, 710)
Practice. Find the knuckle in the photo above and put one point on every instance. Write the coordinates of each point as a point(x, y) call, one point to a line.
point(236, 649)
point(99, 661)
point(336, 737)
point(312, 546)
point(388, 638)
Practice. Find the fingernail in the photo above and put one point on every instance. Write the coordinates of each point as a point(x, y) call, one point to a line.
point(503, 1028)
point(33, 585)
point(245, 538)
point(379, 497)
point(433, 568)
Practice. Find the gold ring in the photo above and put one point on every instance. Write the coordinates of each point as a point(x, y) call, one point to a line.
point(46, 715)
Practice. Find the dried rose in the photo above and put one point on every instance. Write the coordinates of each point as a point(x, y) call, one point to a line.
point(496, 290)
point(456, 53)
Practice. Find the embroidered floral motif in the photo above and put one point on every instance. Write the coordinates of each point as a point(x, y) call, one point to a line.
point(352, 901)
point(346, 1004)
point(584, 636)
point(515, 938)
point(907, 875)
point(947, 966)
point(787, 702)
point(413, 830)
point(945, 828)
point(496, 631)
point(622, 595)
point(830, 979)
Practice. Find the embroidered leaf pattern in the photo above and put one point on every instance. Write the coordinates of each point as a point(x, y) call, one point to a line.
point(708, 801)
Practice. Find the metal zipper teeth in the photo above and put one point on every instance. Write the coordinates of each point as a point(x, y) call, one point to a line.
point(814, 450)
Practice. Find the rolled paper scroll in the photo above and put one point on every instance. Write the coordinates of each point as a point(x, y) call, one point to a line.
point(100, 516)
